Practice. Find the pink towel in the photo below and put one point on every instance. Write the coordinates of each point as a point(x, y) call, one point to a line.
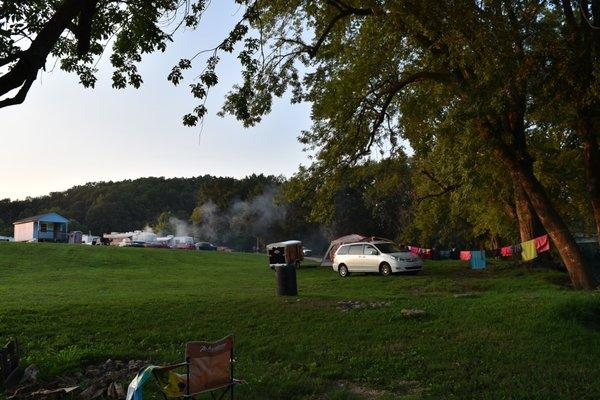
point(542, 244)
point(465, 255)
point(506, 251)
point(415, 250)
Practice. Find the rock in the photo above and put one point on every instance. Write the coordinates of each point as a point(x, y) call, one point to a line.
point(115, 391)
point(29, 375)
point(92, 371)
point(108, 365)
point(412, 312)
point(70, 380)
point(346, 305)
point(90, 392)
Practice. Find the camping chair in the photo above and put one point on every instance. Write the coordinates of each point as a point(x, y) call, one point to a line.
point(208, 369)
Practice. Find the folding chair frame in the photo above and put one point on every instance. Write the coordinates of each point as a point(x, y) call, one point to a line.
point(227, 387)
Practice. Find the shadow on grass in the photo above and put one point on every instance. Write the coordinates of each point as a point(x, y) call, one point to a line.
point(583, 312)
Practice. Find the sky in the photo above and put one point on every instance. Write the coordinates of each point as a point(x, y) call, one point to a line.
point(65, 135)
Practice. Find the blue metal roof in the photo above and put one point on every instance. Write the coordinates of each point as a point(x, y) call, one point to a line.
point(50, 217)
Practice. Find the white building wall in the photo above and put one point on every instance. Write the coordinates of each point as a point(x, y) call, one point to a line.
point(24, 231)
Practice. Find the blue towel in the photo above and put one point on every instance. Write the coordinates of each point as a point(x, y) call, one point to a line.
point(478, 259)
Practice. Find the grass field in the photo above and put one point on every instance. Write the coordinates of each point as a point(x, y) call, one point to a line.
point(523, 334)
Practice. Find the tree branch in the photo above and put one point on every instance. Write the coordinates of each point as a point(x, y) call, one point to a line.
point(20, 96)
point(33, 59)
point(433, 178)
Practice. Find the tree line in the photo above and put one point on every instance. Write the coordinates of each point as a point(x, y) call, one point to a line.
point(397, 198)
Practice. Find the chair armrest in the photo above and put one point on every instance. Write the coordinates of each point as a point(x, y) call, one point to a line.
point(171, 367)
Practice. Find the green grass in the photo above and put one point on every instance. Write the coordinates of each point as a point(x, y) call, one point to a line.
point(524, 334)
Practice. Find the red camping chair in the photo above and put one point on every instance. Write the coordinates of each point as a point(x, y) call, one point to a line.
point(208, 369)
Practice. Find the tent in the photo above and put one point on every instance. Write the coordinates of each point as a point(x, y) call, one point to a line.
point(327, 260)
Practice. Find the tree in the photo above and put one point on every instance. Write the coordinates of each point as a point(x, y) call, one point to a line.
point(571, 83)
point(5, 228)
point(76, 32)
point(372, 198)
point(475, 59)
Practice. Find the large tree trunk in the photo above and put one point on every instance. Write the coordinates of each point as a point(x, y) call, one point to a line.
point(528, 223)
point(591, 157)
point(581, 276)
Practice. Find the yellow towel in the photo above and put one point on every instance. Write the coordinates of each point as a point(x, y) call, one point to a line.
point(529, 252)
point(175, 385)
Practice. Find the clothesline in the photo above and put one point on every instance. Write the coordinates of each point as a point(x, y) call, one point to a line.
point(528, 250)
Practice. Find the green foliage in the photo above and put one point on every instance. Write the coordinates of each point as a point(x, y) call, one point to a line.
point(5, 228)
point(131, 28)
point(371, 198)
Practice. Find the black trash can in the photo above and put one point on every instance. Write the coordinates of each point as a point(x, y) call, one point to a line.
point(286, 280)
point(284, 258)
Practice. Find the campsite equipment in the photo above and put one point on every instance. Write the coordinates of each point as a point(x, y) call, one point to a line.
point(9, 363)
point(285, 257)
point(208, 368)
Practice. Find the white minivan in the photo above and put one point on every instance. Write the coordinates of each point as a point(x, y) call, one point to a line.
point(383, 257)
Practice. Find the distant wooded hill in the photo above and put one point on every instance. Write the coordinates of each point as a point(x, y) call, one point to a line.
point(132, 204)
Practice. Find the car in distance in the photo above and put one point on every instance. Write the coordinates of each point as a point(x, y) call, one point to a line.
point(206, 246)
point(385, 258)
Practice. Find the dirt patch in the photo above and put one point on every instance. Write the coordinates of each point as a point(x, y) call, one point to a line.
point(346, 305)
point(406, 388)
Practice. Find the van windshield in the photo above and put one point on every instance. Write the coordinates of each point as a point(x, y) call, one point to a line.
point(389, 248)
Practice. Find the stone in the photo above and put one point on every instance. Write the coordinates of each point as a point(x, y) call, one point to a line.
point(29, 374)
point(412, 312)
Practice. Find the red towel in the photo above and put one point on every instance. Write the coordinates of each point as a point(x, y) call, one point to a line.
point(542, 243)
point(506, 251)
point(415, 250)
point(465, 255)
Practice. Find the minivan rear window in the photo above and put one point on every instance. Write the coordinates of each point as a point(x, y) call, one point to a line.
point(343, 250)
point(356, 249)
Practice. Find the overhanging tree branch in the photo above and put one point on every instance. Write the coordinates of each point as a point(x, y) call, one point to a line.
point(30, 61)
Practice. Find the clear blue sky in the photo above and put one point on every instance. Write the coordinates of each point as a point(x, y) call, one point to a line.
point(64, 135)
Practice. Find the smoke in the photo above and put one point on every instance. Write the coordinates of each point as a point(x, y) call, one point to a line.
point(180, 228)
point(248, 219)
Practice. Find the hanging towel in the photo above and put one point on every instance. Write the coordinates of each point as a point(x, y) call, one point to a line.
point(465, 255)
point(478, 259)
point(506, 251)
point(517, 248)
point(529, 252)
point(542, 244)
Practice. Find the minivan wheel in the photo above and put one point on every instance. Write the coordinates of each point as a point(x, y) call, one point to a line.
point(385, 269)
point(343, 271)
